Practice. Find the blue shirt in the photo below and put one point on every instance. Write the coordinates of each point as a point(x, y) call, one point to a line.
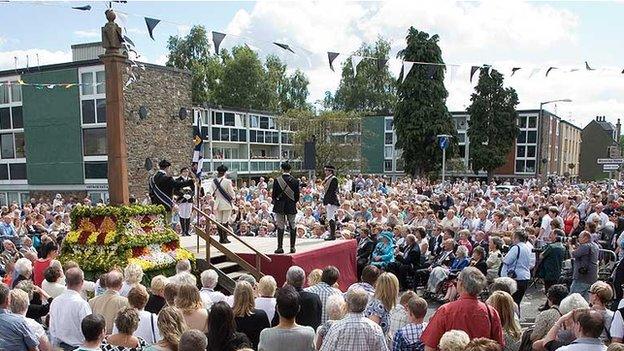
point(14, 333)
point(7, 230)
point(520, 263)
point(408, 338)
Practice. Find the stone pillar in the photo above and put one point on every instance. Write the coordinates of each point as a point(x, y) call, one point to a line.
point(114, 64)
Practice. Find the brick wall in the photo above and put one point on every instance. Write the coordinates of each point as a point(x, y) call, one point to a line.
point(162, 134)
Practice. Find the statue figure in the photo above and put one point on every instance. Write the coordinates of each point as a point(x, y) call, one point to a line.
point(111, 34)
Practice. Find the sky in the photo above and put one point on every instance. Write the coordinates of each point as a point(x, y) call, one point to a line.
point(503, 33)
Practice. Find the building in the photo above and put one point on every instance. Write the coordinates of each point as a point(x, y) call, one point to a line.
point(545, 145)
point(53, 138)
point(250, 143)
point(600, 135)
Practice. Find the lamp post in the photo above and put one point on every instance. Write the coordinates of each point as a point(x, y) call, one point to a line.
point(540, 141)
point(443, 140)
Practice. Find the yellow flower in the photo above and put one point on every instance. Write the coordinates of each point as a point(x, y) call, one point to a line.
point(92, 239)
point(183, 254)
point(110, 237)
point(72, 237)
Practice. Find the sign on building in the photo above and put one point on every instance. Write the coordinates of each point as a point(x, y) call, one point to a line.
point(611, 167)
point(605, 161)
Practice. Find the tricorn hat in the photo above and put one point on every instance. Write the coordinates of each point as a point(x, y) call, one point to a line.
point(330, 167)
point(222, 169)
point(164, 164)
point(286, 166)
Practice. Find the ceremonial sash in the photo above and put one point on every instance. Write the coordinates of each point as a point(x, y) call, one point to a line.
point(285, 188)
point(164, 198)
point(222, 191)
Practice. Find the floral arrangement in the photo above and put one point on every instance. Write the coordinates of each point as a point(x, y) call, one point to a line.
point(113, 236)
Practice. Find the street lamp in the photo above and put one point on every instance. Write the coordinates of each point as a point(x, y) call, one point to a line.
point(541, 116)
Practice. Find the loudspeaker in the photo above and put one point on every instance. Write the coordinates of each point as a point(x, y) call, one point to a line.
point(309, 155)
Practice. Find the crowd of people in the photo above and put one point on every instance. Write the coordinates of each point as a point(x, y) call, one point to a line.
point(472, 249)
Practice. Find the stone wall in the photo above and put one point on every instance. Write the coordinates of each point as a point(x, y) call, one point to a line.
point(48, 195)
point(163, 91)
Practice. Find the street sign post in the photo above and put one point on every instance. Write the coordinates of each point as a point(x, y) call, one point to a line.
point(610, 167)
point(443, 142)
point(605, 161)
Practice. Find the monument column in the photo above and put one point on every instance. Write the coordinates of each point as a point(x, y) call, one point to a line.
point(114, 65)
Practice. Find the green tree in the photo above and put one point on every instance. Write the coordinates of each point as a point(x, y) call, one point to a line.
point(421, 111)
point(192, 53)
point(373, 89)
point(337, 134)
point(492, 127)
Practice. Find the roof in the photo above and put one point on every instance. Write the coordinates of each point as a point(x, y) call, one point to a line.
point(86, 45)
point(607, 126)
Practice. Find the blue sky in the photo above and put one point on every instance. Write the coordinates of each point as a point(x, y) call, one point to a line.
point(501, 33)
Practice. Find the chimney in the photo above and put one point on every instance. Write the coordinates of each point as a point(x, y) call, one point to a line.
point(618, 129)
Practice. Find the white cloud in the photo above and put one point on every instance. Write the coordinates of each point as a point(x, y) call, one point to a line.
point(470, 33)
point(91, 33)
point(7, 58)
point(2, 40)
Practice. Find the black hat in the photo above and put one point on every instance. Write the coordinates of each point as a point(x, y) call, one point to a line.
point(164, 164)
point(330, 167)
point(286, 166)
point(222, 169)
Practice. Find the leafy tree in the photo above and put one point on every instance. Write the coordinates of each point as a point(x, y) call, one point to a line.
point(373, 89)
point(492, 127)
point(421, 111)
point(296, 93)
point(336, 134)
point(193, 53)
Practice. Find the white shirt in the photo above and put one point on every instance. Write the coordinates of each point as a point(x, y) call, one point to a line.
point(546, 226)
point(66, 314)
point(209, 297)
point(267, 304)
point(617, 324)
point(53, 289)
point(148, 328)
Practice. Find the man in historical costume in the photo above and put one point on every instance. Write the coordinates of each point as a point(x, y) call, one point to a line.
point(185, 202)
point(285, 197)
point(223, 193)
point(330, 199)
point(162, 186)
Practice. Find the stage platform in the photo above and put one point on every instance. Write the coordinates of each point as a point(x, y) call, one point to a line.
point(311, 254)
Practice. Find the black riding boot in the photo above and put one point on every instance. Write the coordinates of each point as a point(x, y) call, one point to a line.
point(280, 241)
point(332, 230)
point(223, 235)
point(293, 238)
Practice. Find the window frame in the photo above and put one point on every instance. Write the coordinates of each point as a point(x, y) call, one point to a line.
point(11, 104)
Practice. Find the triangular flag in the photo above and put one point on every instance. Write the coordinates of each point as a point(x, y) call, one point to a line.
point(550, 69)
point(284, 46)
point(381, 63)
point(514, 70)
point(431, 71)
point(623, 71)
point(50, 86)
point(489, 71)
point(67, 86)
point(151, 24)
point(21, 82)
point(574, 69)
point(533, 72)
point(217, 38)
point(453, 74)
point(82, 8)
point(128, 40)
point(473, 69)
point(355, 61)
point(122, 19)
point(331, 56)
point(407, 68)
point(128, 82)
point(587, 67)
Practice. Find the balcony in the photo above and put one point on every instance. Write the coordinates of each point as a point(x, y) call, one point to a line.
point(250, 166)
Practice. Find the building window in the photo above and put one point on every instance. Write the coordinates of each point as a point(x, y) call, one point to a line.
point(388, 151)
point(12, 145)
point(10, 93)
point(94, 141)
point(388, 166)
point(17, 171)
point(94, 111)
point(228, 119)
point(96, 170)
point(389, 124)
point(93, 95)
point(87, 80)
point(264, 122)
point(388, 139)
point(254, 121)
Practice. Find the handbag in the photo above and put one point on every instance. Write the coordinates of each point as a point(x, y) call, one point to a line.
point(511, 273)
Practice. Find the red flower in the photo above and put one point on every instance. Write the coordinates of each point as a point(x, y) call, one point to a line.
point(138, 251)
point(82, 238)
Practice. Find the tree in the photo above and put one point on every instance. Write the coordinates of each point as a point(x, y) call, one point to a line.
point(336, 134)
point(193, 53)
point(421, 111)
point(373, 89)
point(492, 127)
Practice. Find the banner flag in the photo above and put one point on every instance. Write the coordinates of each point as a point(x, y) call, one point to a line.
point(550, 69)
point(407, 68)
point(284, 46)
point(587, 67)
point(381, 63)
point(331, 56)
point(355, 61)
point(514, 70)
point(473, 69)
point(217, 38)
point(151, 23)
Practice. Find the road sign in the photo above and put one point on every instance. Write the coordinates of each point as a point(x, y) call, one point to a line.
point(610, 167)
point(605, 161)
point(443, 142)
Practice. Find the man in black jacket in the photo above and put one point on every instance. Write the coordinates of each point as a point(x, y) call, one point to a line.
point(311, 307)
point(285, 196)
point(365, 248)
point(162, 185)
point(406, 261)
point(330, 199)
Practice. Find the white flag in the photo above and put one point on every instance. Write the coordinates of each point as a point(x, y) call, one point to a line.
point(355, 61)
point(122, 20)
point(407, 67)
point(453, 72)
point(534, 71)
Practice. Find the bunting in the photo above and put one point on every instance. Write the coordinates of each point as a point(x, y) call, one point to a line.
point(381, 63)
point(407, 68)
point(217, 38)
point(550, 69)
point(331, 56)
point(473, 69)
point(355, 61)
point(587, 67)
point(514, 70)
point(151, 23)
point(82, 8)
point(431, 71)
point(284, 46)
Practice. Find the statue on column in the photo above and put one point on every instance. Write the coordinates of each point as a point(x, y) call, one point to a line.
point(111, 34)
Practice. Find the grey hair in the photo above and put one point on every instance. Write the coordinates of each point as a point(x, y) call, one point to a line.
point(114, 279)
point(357, 299)
point(192, 340)
point(23, 266)
point(463, 250)
point(472, 280)
point(185, 278)
point(295, 276)
point(209, 278)
point(249, 279)
point(336, 306)
point(511, 284)
point(19, 301)
point(572, 302)
point(454, 340)
point(183, 266)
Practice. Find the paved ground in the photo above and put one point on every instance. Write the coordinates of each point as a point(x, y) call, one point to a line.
point(533, 299)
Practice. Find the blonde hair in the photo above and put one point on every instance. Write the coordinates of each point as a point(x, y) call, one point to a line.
point(158, 284)
point(19, 301)
point(504, 304)
point(387, 290)
point(244, 301)
point(603, 291)
point(615, 346)
point(127, 320)
point(336, 307)
point(171, 325)
point(315, 277)
point(267, 286)
point(454, 340)
point(133, 274)
point(188, 299)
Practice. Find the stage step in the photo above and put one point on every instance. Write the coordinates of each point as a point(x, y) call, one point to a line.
point(227, 266)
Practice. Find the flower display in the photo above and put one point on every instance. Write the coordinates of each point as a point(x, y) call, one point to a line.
point(113, 236)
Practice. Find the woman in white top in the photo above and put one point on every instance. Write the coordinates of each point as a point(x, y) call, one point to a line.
point(266, 290)
point(495, 258)
point(53, 284)
point(148, 322)
point(133, 274)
